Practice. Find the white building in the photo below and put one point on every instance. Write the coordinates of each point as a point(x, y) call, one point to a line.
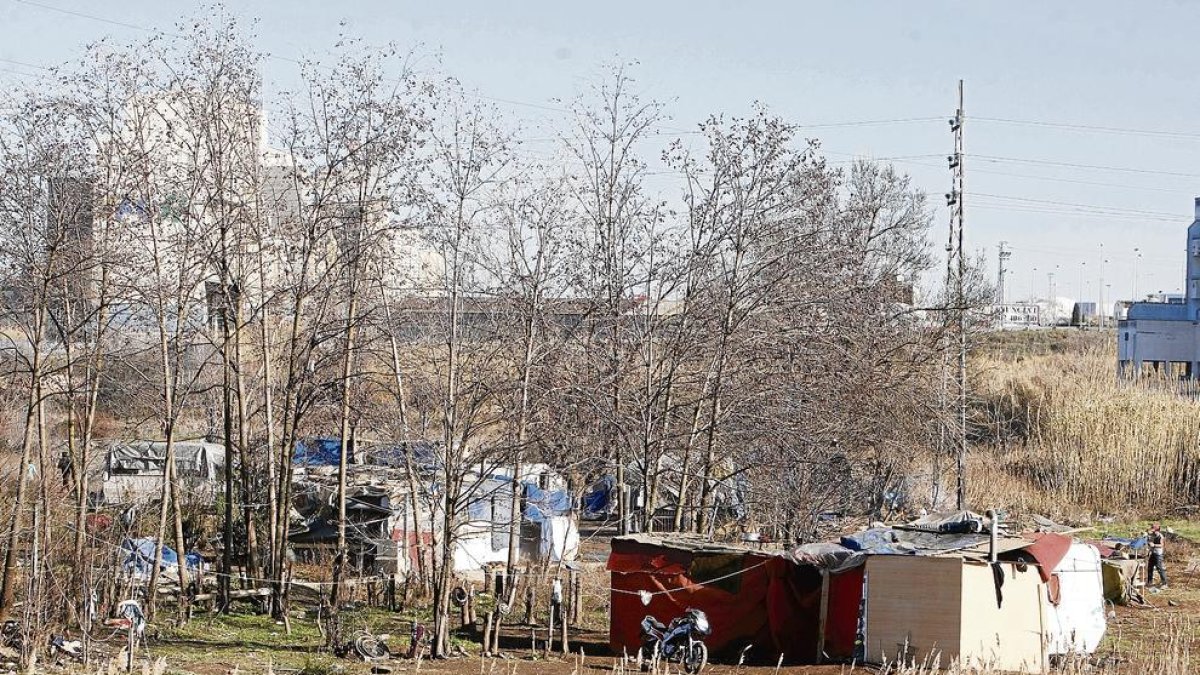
point(1166, 335)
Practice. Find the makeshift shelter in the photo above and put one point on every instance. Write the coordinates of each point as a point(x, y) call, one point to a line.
point(923, 592)
point(320, 452)
point(134, 471)
point(767, 600)
point(557, 533)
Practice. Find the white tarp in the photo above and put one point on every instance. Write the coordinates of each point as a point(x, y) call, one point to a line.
point(1077, 623)
point(560, 539)
point(473, 548)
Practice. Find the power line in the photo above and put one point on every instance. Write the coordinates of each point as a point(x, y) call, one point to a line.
point(1072, 165)
point(93, 17)
point(1053, 179)
point(1072, 213)
point(269, 55)
point(1091, 128)
point(1114, 209)
point(10, 71)
point(23, 63)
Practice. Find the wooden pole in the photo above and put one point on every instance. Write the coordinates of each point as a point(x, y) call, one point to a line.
point(576, 599)
point(550, 632)
point(565, 646)
point(821, 617)
point(487, 635)
point(529, 597)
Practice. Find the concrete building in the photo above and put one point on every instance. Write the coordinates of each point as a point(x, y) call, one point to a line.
point(1165, 335)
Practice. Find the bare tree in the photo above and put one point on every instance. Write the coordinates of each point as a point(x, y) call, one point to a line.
point(604, 141)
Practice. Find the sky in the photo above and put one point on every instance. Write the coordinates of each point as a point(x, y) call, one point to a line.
point(1082, 143)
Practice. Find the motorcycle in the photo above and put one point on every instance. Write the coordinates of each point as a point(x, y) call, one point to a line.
point(681, 641)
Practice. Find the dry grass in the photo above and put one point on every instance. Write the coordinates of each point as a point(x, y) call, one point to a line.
point(1059, 430)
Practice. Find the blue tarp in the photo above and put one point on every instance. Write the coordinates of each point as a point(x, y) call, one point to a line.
point(1138, 543)
point(880, 540)
point(141, 556)
point(541, 504)
point(319, 452)
point(424, 455)
point(598, 499)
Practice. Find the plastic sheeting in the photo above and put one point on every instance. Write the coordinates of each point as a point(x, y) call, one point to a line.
point(598, 499)
point(560, 539)
point(1077, 623)
point(193, 458)
point(542, 504)
point(319, 452)
point(140, 556)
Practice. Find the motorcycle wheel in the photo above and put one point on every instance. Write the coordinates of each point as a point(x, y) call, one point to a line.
point(695, 659)
point(643, 661)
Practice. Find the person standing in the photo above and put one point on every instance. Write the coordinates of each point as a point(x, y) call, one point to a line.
point(1155, 540)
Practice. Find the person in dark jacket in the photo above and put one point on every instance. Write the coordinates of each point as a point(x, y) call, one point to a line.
point(1155, 540)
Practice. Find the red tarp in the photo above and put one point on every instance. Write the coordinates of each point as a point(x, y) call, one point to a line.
point(841, 615)
point(1047, 550)
point(750, 598)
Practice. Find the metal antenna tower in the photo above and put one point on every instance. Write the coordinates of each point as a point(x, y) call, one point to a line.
point(1005, 255)
point(956, 269)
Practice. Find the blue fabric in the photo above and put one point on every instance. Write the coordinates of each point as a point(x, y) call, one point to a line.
point(542, 504)
point(318, 452)
point(876, 540)
point(141, 556)
point(598, 499)
point(424, 455)
point(1140, 542)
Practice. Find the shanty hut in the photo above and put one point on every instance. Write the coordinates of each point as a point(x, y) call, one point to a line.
point(944, 590)
point(940, 591)
point(769, 601)
point(134, 471)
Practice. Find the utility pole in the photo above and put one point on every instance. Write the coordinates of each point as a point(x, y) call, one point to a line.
point(1005, 255)
point(956, 262)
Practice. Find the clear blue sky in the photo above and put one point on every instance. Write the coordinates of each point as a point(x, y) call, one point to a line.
point(1128, 67)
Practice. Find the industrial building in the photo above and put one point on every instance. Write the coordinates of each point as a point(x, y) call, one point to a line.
point(1165, 336)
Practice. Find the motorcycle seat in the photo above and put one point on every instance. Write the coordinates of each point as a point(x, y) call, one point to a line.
point(653, 623)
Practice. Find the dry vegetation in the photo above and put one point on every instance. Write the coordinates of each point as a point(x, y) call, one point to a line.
point(1057, 432)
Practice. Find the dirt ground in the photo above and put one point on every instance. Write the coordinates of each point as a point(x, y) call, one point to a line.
point(251, 643)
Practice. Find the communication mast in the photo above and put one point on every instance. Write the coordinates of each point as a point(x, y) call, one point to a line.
point(956, 270)
point(1005, 256)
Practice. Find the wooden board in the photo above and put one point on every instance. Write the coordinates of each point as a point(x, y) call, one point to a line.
point(914, 606)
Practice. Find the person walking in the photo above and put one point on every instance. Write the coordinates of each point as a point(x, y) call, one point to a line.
point(1155, 540)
